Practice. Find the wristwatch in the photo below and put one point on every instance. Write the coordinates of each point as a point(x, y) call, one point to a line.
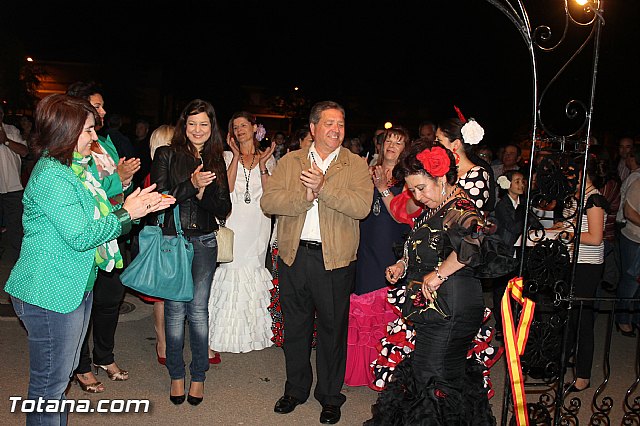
point(386, 192)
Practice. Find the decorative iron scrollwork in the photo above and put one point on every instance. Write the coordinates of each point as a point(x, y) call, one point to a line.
point(547, 265)
point(556, 177)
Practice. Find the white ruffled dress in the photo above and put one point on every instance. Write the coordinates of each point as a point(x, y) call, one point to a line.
point(239, 320)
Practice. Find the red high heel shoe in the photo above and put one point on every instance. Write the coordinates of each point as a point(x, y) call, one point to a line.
point(161, 360)
point(215, 359)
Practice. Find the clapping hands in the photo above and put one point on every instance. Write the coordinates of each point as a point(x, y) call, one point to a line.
point(266, 154)
point(127, 168)
point(379, 178)
point(313, 180)
point(141, 202)
point(201, 179)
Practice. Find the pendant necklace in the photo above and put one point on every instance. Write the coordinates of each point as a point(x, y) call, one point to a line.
point(377, 203)
point(247, 195)
point(376, 207)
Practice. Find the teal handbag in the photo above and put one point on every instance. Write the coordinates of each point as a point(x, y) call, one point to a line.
point(162, 268)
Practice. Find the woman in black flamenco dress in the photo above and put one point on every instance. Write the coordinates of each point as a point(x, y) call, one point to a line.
point(445, 254)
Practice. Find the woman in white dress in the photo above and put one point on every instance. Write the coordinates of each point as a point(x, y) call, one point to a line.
point(239, 320)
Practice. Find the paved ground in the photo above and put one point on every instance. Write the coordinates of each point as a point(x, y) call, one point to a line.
point(243, 388)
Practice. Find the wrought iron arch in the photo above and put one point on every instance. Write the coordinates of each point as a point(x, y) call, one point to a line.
point(546, 266)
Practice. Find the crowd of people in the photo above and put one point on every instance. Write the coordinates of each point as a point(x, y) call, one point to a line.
point(377, 249)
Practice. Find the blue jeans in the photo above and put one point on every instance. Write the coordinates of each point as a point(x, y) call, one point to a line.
point(54, 350)
point(205, 253)
point(628, 312)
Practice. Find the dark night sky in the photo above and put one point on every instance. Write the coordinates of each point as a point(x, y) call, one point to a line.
point(426, 56)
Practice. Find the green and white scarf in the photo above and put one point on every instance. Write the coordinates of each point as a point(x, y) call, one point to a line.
point(107, 254)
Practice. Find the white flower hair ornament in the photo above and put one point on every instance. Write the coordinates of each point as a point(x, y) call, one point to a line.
point(504, 182)
point(260, 132)
point(472, 132)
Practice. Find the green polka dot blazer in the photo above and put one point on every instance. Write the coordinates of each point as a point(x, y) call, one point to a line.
point(60, 239)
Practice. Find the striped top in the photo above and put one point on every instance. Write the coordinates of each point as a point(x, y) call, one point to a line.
point(587, 253)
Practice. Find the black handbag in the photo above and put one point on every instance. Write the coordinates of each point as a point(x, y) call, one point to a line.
point(162, 268)
point(418, 309)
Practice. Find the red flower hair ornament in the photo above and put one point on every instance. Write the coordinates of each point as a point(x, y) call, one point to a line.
point(435, 161)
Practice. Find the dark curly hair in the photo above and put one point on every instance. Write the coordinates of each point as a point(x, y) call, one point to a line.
point(509, 175)
point(597, 170)
point(410, 165)
point(452, 128)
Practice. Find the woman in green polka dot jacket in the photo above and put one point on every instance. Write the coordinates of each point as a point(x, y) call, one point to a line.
point(70, 231)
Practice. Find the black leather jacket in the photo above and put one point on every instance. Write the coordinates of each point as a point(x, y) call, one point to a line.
point(171, 171)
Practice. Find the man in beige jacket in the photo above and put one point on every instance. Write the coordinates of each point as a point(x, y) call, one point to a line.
point(319, 194)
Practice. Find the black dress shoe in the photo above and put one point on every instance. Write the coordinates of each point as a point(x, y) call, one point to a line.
point(177, 400)
point(573, 389)
point(630, 333)
point(330, 414)
point(194, 400)
point(286, 404)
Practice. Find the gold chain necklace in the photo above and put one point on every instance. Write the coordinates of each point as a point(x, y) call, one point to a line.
point(418, 224)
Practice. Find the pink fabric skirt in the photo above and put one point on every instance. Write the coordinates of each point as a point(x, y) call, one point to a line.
point(369, 315)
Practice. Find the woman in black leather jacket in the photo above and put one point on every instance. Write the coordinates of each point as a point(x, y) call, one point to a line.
point(192, 169)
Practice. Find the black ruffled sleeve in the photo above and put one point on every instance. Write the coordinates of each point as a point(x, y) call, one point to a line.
point(596, 200)
point(477, 246)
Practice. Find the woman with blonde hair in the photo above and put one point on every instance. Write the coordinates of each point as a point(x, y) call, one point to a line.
point(161, 136)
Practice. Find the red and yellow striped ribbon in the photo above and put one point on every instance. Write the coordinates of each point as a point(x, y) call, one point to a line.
point(515, 341)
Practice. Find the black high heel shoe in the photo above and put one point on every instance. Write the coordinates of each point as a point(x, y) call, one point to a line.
point(177, 399)
point(630, 333)
point(195, 400)
point(573, 389)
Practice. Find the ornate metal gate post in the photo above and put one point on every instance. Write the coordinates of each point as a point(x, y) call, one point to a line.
point(547, 265)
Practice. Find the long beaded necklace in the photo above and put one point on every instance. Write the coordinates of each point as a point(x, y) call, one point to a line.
point(247, 195)
point(313, 158)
